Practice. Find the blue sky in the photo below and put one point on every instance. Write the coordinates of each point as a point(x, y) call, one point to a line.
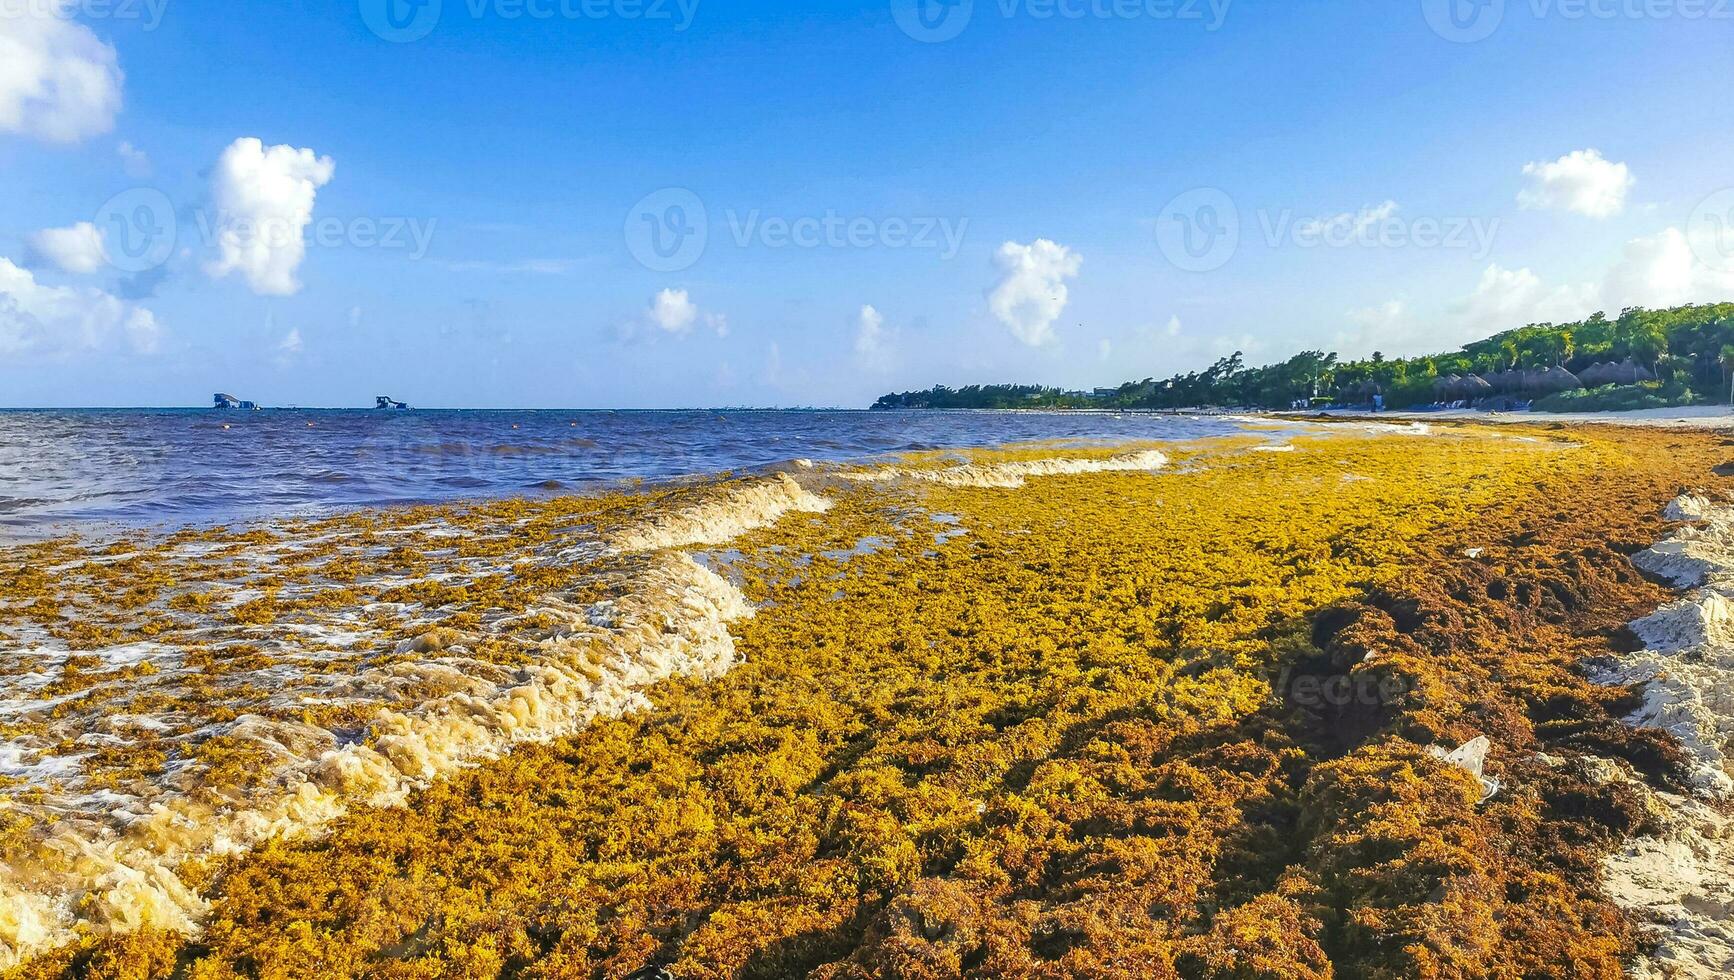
point(472, 206)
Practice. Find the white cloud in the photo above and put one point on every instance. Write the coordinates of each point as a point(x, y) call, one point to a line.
point(78, 249)
point(1033, 293)
point(1349, 225)
point(873, 343)
point(673, 311)
point(136, 162)
point(1582, 181)
point(288, 350)
point(1389, 327)
point(1655, 271)
point(53, 320)
point(1381, 318)
point(1664, 270)
point(58, 82)
point(264, 198)
point(1157, 333)
point(1509, 298)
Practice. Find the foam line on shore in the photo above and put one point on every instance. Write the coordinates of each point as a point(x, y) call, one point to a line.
point(110, 862)
point(1013, 474)
point(737, 510)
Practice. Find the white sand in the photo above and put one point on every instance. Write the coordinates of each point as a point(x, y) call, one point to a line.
point(1680, 882)
point(1694, 417)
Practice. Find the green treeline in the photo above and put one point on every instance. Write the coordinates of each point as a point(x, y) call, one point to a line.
point(1669, 357)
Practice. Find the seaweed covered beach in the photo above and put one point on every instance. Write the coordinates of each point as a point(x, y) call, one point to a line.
point(1318, 700)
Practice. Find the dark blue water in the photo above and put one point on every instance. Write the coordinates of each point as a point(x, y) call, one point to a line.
point(68, 470)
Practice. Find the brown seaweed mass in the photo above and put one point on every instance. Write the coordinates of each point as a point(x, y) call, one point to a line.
point(1125, 725)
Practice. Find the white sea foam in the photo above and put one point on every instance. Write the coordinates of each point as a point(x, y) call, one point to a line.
point(112, 859)
point(737, 510)
point(1013, 474)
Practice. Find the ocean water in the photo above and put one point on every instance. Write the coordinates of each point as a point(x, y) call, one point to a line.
point(183, 696)
point(86, 469)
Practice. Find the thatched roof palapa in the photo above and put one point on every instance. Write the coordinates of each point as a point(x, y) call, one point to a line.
point(1558, 379)
point(1630, 372)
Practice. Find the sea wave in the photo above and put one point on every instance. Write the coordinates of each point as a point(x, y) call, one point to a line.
point(1013, 474)
point(451, 692)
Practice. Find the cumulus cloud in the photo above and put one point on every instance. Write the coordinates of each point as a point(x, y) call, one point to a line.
point(51, 320)
point(873, 343)
point(1665, 270)
point(1507, 298)
point(264, 198)
point(58, 82)
point(79, 249)
point(1582, 181)
point(1654, 271)
point(1032, 294)
point(673, 311)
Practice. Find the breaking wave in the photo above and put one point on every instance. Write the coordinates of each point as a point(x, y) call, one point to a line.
point(1012, 475)
point(439, 693)
point(737, 510)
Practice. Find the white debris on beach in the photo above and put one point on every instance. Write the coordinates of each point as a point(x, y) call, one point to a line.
point(1680, 881)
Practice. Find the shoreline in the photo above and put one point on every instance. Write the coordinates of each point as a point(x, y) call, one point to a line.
point(1362, 515)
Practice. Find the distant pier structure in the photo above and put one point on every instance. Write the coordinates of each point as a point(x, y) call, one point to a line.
point(231, 403)
point(385, 402)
